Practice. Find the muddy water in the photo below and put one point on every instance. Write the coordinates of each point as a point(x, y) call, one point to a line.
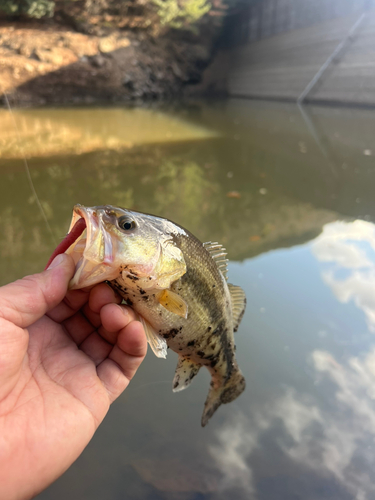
point(290, 193)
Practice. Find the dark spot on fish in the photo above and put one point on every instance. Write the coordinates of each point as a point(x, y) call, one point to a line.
point(171, 334)
point(145, 297)
point(214, 362)
point(180, 349)
point(175, 384)
point(226, 353)
point(192, 342)
point(210, 356)
point(209, 328)
point(150, 278)
point(214, 286)
point(141, 291)
point(129, 302)
point(200, 353)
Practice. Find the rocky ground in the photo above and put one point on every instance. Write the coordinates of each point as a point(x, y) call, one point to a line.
point(54, 64)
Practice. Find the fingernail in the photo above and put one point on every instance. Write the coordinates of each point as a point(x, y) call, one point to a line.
point(57, 261)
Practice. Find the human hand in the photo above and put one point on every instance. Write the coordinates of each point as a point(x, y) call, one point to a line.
point(64, 357)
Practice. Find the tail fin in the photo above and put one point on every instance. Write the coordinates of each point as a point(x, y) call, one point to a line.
point(222, 395)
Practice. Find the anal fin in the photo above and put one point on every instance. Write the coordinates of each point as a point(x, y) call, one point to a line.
point(185, 372)
point(157, 343)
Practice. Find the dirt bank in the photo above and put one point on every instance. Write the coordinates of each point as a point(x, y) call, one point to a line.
point(53, 64)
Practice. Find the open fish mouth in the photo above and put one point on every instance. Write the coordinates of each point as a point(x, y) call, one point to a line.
point(93, 251)
point(91, 246)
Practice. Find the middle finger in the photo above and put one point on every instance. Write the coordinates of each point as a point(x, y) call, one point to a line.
point(114, 318)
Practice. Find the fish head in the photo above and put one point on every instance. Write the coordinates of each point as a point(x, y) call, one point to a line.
point(122, 243)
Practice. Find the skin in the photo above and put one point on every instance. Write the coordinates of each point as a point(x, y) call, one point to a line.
point(65, 356)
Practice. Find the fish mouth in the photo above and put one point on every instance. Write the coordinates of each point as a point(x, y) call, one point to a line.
point(93, 250)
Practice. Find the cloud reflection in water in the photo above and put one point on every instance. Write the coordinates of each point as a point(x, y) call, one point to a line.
point(329, 432)
point(346, 246)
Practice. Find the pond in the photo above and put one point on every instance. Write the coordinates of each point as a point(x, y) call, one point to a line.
point(290, 193)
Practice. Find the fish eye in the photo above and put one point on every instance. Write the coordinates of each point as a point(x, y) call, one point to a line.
point(126, 223)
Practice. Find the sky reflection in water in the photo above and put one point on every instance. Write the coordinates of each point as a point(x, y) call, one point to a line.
point(302, 244)
point(323, 424)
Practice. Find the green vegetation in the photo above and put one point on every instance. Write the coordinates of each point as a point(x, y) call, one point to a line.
point(181, 14)
point(29, 8)
point(177, 14)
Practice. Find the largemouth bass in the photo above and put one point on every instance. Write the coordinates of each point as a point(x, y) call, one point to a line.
point(176, 284)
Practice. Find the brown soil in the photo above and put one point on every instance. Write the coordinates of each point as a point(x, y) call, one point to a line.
point(52, 64)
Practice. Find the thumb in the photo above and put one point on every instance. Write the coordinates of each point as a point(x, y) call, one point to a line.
point(28, 299)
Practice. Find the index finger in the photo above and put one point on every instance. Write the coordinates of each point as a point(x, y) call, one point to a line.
point(73, 301)
point(77, 299)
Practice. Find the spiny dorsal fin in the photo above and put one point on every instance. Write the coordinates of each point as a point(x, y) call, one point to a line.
point(185, 372)
point(157, 343)
point(238, 304)
point(218, 253)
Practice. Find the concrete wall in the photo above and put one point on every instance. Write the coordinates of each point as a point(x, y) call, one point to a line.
point(281, 66)
point(264, 18)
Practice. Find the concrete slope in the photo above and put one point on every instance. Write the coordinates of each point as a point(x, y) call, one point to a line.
point(281, 66)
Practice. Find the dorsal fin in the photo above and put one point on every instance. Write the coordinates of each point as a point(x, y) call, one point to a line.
point(238, 304)
point(218, 253)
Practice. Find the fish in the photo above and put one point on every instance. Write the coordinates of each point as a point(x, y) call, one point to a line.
point(177, 286)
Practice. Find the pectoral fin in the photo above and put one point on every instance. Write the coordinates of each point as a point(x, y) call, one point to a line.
point(185, 372)
point(157, 343)
point(173, 303)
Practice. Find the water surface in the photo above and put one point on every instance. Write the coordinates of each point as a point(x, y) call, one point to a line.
point(289, 192)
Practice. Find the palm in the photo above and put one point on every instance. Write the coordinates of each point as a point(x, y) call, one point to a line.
point(58, 377)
